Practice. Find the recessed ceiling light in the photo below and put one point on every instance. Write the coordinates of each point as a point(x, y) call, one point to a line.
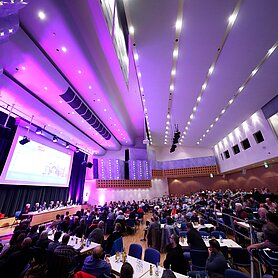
point(64, 49)
point(207, 130)
point(211, 69)
point(223, 111)
point(141, 89)
point(139, 74)
point(231, 101)
point(2, 34)
point(98, 100)
point(241, 88)
point(165, 143)
point(23, 68)
point(199, 98)
point(131, 30)
point(184, 132)
point(194, 108)
point(168, 116)
point(270, 51)
point(254, 71)
point(171, 87)
point(191, 116)
point(45, 88)
point(90, 87)
point(217, 119)
point(79, 71)
point(41, 15)
point(201, 139)
point(178, 24)
point(175, 53)
point(60, 101)
point(186, 128)
point(232, 18)
point(211, 126)
point(204, 135)
point(173, 72)
point(204, 86)
point(136, 57)
point(104, 109)
point(198, 143)
point(10, 31)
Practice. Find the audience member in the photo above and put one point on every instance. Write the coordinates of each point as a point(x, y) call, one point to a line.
point(126, 270)
point(97, 235)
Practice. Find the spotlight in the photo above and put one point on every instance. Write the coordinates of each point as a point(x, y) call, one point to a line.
point(55, 139)
point(67, 145)
point(266, 165)
point(39, 131)
point(76, 150)
point(24, 141)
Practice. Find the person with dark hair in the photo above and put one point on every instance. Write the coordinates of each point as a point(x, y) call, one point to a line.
point(126, 270)
point(194, 238)
point(107, 244)
point(65, 224)
point(52, 245)
point(43, 240)
point(154, 233)
point(33, 234)
point(55, 222)
point(216, 263)
point(95, 265)
point(97, 235)
point(175, 256)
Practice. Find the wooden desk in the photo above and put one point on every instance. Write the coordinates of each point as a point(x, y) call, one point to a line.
point(50, 215)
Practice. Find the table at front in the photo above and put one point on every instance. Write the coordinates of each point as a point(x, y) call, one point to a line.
point(76, 246)
point(225, 242)
point(140, 267)
point(49, 215)
point(160, 272)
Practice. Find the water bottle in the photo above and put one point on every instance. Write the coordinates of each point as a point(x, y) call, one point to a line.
point(151, 270)
point(221, 239)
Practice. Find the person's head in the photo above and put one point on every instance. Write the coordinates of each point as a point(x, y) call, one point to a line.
point(34, 229)
point(41, 228)
point(97, 252)
point(101, 224)
point(168, 220)
point(126, 270)
point(174, 240)
point(44, 235)
point(118, 227)
point(58, 217)
point(65, 239)
point(202, 221)
point(57, 235)
point(26, 243)
point(20, 239)
point(67, 219)
point(270, 231)
point(214, 246)
point(28, 206)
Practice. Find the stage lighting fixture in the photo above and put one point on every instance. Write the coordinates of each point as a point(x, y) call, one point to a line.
point(89, 165)
point(24, 141)
point(55, 139)
point(67, 145)
point(76, 150)
point(39, 131)
point(173, 148)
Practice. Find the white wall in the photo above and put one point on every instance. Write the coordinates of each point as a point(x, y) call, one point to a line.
point(99, 196)
point(256, 153)
point(163, 154)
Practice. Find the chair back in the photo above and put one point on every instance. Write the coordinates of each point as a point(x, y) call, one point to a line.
point(135, 250)
point(82, 274)
point(270, 258)
point(240, 257)
point(117, 246)
point(152, 256)
point(217, 234)
point(203, 233)
point(182, 234)
point(17, 214)
point(231, 273)
point(198, 258)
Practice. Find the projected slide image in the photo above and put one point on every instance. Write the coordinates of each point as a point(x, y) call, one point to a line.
point(37, 163)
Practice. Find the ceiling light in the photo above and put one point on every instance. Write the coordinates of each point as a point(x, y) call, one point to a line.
point(23, 68)
point(231, 101)
point(136, 57)
point(64, 49)
point(104, 109)
point(2, 34)
point(90, 87)
point(98, 100)
point(172, 87)
point(131, 30)
point(191, 116)
point(223, 111)
point(41, 15)
point(217, 119)
point(186, 128)
point(168, 116)
point(173, 72)
point(178, 24)
point(139, 74)
point(198, 143)
point(254, 71)
point(39, 131)
point(55, 139)
point(211, 126)
point(167, 122)
point(241, 88)
point(141, 89)
point(67, 145)
point(79, 71)
point(184, 132)
point(175, 53)
point(199, 98)
point(201, 139)
point(188, 122)
point(232, 18)
point(165, 143)
point(211, 69)
point(167, 127)
point(45, 88)
point(10, 31)
point(24, 141)
point(204, 86)
point(204, 135)
point(207, 131)
point(194, 108)
point(166, 131)
point(270, 51)
point(182, 136)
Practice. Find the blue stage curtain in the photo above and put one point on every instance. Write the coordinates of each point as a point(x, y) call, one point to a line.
point(77, 178)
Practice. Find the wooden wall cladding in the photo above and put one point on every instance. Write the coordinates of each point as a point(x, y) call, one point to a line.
point(123, 184)
point(186, 172)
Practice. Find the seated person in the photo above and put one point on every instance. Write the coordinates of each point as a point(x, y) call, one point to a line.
point(80, 230)
point(43, 240)
point(36, 207)
point(175, 256)
point(216, 263)
point(194, 218)
point(55, 222)
point(97, 235)
point(95, 265)
point(64, 226)
point(53, 244)
point(107, 244)
point(33, 234)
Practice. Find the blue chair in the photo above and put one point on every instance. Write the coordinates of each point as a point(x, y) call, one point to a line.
point(24, 270)
point(152, 256)
point(217, 234)
point(182, 234)
point(117, 246)
point(135, 250)
point(240, 257)
point(203, 233)
point(163, 221)
point(130, 226)
point(231, 273)
point(198, 259)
